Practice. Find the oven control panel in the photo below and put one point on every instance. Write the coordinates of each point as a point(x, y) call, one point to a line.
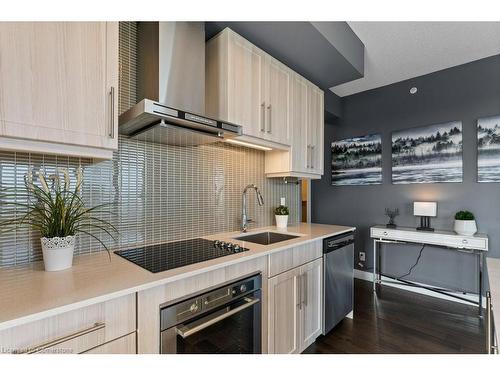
point(190, 308)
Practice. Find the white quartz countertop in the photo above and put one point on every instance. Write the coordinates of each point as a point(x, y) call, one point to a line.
point(494, 280)
point(29, 293)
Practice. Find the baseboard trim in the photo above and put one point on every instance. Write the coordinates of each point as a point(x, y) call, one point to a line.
point(368, 276)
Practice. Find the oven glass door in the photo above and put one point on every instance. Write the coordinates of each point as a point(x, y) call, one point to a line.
point(230, 329)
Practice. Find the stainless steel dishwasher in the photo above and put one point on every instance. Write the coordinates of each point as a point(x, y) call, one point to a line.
point(338, 279)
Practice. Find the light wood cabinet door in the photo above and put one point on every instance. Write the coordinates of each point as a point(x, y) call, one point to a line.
point(299, 125)
point(248, 87)
point(246, 105)
point(295, 308)
point(283, 313)
point(311, 307)
point(306, 126)
point(277, 89)
point(58, 83)
point(315, 124)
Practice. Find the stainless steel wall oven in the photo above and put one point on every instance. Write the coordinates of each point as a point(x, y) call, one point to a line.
point(223, 320)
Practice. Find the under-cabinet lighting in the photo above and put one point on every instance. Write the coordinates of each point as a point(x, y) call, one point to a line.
point(246, 144)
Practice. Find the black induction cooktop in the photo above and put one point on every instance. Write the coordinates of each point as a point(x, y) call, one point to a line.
point(170, 255)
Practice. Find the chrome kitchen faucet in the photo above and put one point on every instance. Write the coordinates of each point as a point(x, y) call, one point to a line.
point(244, 219)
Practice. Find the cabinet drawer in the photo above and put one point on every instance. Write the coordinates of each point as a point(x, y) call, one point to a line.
point(74, 331)
point(122, 345)
point(294, 257)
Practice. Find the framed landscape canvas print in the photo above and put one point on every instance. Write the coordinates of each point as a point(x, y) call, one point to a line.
point(357, 161)
point(488, 149)
point(427, 154)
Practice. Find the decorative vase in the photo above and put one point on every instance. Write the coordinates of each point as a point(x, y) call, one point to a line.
point(465, 227)
point(281, 221)
point(58, 252)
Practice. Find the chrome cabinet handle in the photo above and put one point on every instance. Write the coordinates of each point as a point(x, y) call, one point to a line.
point(112, 110)
point(40, 347)
point(263, 117)
point(188, 330)
point(269, 130)
point(385, 233)
point(304, 289)
point(312, 157)
point(299, 291)
point(308, 156)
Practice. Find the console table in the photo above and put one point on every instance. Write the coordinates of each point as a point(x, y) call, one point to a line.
point(477, 244)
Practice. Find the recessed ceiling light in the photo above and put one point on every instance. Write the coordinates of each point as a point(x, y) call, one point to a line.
point(413, 90)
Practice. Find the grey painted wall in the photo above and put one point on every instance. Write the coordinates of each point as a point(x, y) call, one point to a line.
point(464, 93)
point(333, 106)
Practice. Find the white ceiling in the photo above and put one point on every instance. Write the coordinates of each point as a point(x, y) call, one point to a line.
point(395, 51)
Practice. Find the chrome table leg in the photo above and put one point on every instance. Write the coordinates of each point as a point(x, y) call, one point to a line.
point(374, 265)
point(481, 269)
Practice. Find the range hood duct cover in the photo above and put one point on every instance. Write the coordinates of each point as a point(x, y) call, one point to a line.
point(171, 64)
point(171, 87)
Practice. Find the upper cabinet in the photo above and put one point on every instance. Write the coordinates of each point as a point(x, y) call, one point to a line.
point(277, 89)
point(58, 88)
point(306, 118)
point(246, 86)
point(276, 106)
point(315, 125)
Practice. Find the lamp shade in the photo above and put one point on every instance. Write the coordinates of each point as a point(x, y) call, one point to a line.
point(424, 208)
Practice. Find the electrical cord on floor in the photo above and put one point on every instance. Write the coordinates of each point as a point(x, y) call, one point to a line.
point(414, 265)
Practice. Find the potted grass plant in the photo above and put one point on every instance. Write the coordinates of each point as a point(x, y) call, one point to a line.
point(58, 213)
point(281, 213)
point(465, 223)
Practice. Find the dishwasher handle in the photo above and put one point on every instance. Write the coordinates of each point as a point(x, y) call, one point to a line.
point(337, 245)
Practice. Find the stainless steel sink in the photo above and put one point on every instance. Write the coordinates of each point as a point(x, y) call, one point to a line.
point(265, 238)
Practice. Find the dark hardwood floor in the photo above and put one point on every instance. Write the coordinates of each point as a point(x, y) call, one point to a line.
point(398, 321)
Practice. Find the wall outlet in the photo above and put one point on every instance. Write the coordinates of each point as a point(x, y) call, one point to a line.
point(282, 201)
point(362, 256)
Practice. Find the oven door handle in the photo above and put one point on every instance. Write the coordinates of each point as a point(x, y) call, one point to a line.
point(187, 330)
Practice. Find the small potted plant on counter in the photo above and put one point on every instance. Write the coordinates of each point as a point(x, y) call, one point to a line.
point(465, 223)
point(281, 213)
point(58, 213)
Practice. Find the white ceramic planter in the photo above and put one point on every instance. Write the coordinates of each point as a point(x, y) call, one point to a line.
point(465, 227)
point(58, 252)
point(281, 221)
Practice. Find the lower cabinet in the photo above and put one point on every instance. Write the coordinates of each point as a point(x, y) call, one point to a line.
point(76, 331)
point(295, 308)
point(311, 289)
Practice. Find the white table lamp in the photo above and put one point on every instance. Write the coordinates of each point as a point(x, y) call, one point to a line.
point(425, 210)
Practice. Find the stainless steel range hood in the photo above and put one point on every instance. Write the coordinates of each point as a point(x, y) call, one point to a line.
point(171, 88)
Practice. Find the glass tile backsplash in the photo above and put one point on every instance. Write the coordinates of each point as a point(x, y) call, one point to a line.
point(159, 193)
